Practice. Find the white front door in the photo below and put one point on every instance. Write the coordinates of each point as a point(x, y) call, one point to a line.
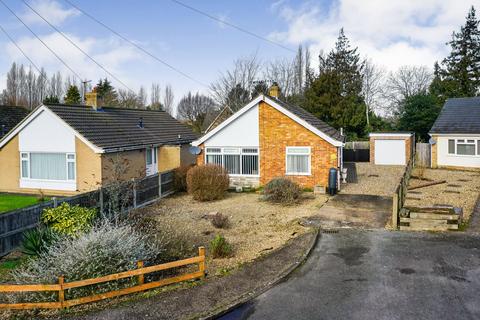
point(390, 152)
point(152, 161)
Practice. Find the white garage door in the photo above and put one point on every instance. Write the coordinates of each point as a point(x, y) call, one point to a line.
point(390, 152)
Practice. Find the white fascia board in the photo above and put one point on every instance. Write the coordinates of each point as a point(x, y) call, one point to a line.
point(455, 134)
point(33, 115)
point(271, 102)
point(400, 135)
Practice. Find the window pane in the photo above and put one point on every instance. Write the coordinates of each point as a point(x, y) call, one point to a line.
point(70, 156)
point(155, 151)
point(250, 150)
point(24, 169)
point(478, 147)
point(232, 163)
point(214, 150)
point(48, 166)
point(71, 170)
point(149, 156)
point(250, 164)
point(24, 155)
point(451, 146)
point(299, 150)
point(466, 149)
point(214, 159)
point(297, 164)
point(471, 141)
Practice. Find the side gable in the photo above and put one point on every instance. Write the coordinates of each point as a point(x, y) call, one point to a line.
point(271, 102)
point(43, 125)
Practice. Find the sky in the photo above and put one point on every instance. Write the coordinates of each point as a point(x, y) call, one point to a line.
point(390, 33)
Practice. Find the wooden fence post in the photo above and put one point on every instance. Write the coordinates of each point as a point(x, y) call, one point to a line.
point(55, 202)
point(141, 277)
point(61, 292)
point(100, 199)
point(134, 193)
point(201, 264)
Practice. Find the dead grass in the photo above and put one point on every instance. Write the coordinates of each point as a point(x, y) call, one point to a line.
point(375, 179)
point(256, 227)
point(460, 190)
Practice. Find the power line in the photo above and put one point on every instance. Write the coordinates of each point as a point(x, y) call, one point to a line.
point(76, 46)
point(39, 39)
point(253, 34)
point(20, 49)
point(136, 45)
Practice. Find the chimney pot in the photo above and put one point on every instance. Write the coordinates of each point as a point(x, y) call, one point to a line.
point(274, 90)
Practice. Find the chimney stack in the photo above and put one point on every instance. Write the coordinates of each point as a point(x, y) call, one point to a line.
point(274, 90)
point(91, 99)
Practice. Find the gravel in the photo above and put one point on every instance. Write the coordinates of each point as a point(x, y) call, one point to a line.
point(375, 179)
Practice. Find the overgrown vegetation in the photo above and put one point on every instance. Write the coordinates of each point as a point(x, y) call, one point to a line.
point(207, 182)
point(282, 190)
point(220, 221)
point(69, 220)
point(180, 178)
point(220, 248)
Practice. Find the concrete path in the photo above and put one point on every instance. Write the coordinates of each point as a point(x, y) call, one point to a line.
point(377, 275)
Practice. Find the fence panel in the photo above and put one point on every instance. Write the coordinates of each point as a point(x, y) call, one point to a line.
point(424, 154)
point(147, 190)
point(356, 155)
point(167, 185)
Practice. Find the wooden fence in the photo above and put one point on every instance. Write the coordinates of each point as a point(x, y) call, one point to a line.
point(61, 287)
point(423, 155)
point(133, 194)
point(356, 151)
point(401, 192)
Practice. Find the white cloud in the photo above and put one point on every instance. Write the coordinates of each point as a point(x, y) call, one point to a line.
point(392, 33)
point(51, 10)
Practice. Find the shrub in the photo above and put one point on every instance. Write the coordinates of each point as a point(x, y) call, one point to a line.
point(69, 220)
point(206, 183)
point(220, 248)
point(282, 190)
point(220, 221)
point(180, 178)
point(104, 250)
point(37, 241)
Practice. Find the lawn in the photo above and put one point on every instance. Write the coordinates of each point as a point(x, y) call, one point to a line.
point(10, 202)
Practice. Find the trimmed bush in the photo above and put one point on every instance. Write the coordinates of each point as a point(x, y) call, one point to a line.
point(282, 190)
point(220, 248)
point(220, 221)
point(208, 182)
point(180, 178)
point(37, 241)
point(69, 220)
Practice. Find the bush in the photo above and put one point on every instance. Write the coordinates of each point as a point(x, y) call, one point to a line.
point(206, 183)
point(180, 178)
point(68, 220)
point(104, 250)
point(220, 221)
point(37, 241)
point(220, 248)
point(282, 190)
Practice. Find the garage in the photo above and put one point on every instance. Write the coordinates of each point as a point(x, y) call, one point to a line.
point(392, 148)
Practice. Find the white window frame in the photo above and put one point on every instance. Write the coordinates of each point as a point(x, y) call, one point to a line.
point(67, 160)
point(464, 140)
point(240, 152)
point(289, 151)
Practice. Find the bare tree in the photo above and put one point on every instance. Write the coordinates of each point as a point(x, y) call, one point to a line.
point(155, 103)
point(405, 82)
point(41, 88)
point(303, 71)
point(284, 73)
point(168, 98)
point(194, 109)
point(242, 76)
point(142, 98)
point(127, 99)
point(12, 85)
point(373, 78)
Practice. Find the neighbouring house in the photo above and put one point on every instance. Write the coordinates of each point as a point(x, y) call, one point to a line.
point(10, 116)
point(66, 149)
point(391, 148)
point(455, 135)
point(269, 138)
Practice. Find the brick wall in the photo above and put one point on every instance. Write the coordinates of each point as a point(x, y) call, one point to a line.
point(277, 131)
point(408, 146)
point(434, 152)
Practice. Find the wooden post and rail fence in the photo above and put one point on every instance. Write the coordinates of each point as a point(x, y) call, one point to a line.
point(61, 287)
point(401, 193)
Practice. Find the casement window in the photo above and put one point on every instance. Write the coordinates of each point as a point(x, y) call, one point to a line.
point(237, 161)
point(298, 161)
point(464, 147)
point(48, 166)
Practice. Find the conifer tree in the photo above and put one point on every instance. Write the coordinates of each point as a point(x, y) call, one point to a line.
point(106, 93)
point(73, 95)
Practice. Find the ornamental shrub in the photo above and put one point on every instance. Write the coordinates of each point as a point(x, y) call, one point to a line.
point(220, 248)
point(69, 220)
point(220, 221)
point(180, 178)
point(208, 182)
point(282, 190)
point(37, 241)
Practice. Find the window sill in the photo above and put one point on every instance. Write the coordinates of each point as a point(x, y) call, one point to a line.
point(67, 185)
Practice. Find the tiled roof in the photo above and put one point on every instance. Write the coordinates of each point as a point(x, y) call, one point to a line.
point(10, 116)
point(113, 128)
point(311, 119)
point(459, 115)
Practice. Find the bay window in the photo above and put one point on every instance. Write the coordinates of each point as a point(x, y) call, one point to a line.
point(236, 160)
point(298, 161)
point(48, 166)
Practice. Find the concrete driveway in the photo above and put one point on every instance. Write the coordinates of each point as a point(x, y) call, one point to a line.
point(357, 274)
